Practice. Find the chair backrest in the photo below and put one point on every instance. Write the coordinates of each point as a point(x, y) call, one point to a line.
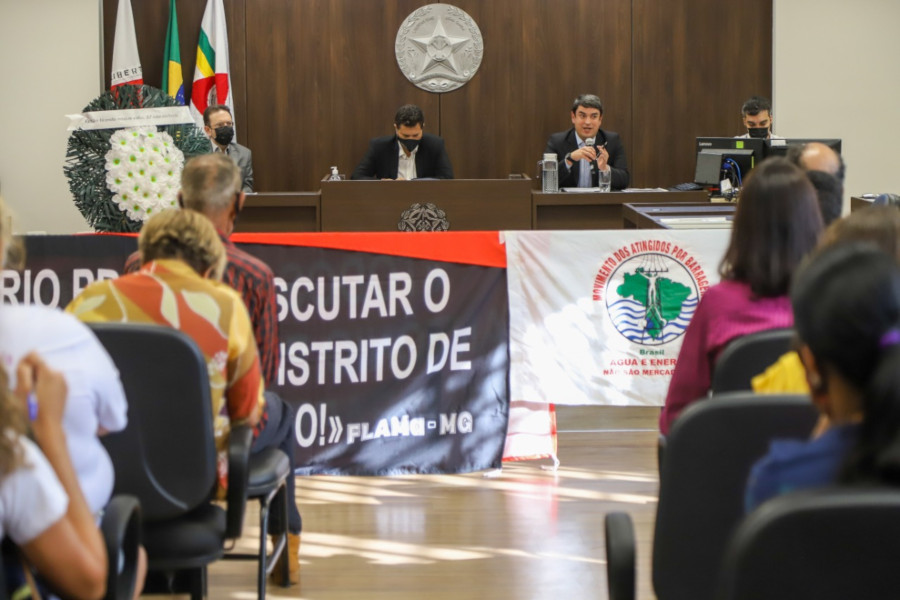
point(166, 456)
point(748, 356)
point(709, 452)
point(824, 544)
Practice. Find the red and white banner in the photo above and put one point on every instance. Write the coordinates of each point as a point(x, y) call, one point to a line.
point(598, 317)
point(126, 64)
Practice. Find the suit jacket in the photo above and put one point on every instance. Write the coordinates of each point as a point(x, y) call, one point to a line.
point(565, 141)
point(382, 159)
point(244, 159)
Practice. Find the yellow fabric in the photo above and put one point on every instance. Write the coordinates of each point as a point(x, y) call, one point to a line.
point(786, 376)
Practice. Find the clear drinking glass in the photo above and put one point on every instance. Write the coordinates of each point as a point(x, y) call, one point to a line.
point(604, 179)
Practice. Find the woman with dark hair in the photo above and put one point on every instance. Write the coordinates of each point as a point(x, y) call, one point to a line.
point(777, 223)
point(847, 307)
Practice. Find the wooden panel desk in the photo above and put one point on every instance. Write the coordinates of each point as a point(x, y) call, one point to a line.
point(280, 212)
point(566, 210)
point(702, 215)
point(469, 204)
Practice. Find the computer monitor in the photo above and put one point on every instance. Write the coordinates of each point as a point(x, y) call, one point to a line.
point(746, 152)
point(779, 147)
point(715, 165)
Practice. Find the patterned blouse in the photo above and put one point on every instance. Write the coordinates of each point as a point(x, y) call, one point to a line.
point(171, 293)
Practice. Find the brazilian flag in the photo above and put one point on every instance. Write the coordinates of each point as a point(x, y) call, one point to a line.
point(172, 81)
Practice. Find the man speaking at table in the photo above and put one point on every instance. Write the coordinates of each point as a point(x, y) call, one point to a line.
point(408, 154)
point(585, 149)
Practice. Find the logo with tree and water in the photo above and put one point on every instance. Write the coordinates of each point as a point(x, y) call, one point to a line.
point(650, 296)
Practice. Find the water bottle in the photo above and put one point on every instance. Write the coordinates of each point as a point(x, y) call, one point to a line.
point(549, 174)
point(335, 176)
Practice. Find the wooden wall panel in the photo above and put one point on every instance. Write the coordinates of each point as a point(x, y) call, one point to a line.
point(314, 80)
point(695, 63)
point(322, 81)
point(538, 56)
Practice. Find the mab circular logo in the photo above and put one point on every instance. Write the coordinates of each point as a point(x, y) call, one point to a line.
point(650, 290)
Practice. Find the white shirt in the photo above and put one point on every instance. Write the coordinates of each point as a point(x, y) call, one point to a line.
point(772, 136)
point(31, 498)
point(95, 399)
point(406, 167)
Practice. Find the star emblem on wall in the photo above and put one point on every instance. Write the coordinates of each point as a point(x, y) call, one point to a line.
point(439, 48)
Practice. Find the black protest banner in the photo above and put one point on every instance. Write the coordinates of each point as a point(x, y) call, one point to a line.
point(394, 363)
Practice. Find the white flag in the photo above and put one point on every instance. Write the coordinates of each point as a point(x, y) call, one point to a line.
point(126, 65)
point(212, 78)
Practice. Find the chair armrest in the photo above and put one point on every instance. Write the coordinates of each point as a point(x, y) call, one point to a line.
point(121, 528)
point(239, 441)
point(660, 451)
point(620, 556)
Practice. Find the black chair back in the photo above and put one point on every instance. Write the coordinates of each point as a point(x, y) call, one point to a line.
point(827, 544)
point(709, 452)
point(748, 356)
point(166, 456)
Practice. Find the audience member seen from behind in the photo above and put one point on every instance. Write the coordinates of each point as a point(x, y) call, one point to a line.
point(42, 508)
point(178, 287)
point(877, 225)
point(830, 192)
point(776, 224)
point(847, 308)
point(816, 156)
point(96, 401)
point(210, 185)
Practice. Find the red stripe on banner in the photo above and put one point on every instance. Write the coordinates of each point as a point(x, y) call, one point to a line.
point(481, 248)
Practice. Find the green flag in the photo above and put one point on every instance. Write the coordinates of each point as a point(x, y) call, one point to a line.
point(172, 81)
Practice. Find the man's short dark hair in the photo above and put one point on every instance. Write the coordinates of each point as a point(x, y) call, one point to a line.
point(213, 108)
point(830, 192)
point(587, 101)
point(756, 105)
point(409, 115)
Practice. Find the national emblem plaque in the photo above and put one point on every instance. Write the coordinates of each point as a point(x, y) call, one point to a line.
point(439, 48)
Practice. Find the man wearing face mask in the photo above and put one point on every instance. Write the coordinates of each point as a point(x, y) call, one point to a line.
point(408, 154)
point(757, 115)
point(219, 127)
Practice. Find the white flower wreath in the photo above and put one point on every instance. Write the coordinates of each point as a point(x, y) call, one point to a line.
point(143, 171)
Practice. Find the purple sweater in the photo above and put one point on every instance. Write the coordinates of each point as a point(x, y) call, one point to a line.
point(727, 310)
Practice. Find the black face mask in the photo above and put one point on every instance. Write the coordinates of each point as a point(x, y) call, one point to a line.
point(410, 144)
point(758, 132)
point(224, 135)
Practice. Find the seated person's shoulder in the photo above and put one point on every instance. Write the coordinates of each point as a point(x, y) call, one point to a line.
point(239, 259)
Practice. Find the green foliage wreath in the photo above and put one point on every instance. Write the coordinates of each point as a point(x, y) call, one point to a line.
point(88, 167)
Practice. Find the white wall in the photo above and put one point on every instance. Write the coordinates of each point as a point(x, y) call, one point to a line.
point(49, 67)
point(837, 74)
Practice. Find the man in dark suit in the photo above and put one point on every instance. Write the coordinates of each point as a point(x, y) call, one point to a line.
point(219, 127)
point(408, 154)
point(580, 162)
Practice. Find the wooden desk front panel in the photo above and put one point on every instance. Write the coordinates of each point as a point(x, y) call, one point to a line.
point(280, 212)
point(469, 204)
point(596, 211)
point(649, 216)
